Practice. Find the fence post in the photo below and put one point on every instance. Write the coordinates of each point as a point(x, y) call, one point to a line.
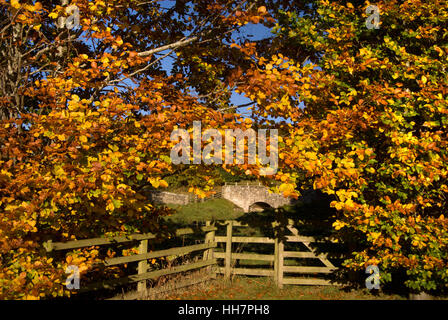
point(142, 265)
point(228, 259)
point(276, 260)
point(281, 249)
point(278, 256)
point(209, 237)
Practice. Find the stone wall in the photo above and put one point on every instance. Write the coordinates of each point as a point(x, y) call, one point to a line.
point(163, 197)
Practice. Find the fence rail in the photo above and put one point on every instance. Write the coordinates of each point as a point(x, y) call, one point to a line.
point(76, 244)
point(143, 255)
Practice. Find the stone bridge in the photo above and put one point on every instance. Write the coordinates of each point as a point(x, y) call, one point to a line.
point(253, 197)
point(249, 197)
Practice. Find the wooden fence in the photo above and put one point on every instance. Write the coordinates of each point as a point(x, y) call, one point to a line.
point(209, 257)
point(277, 259)
point(143, 272)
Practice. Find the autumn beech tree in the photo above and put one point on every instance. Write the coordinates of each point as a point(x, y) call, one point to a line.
point(86, 115)
point(366, 116)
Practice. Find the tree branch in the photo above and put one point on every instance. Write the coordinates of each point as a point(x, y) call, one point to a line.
point(177, 44)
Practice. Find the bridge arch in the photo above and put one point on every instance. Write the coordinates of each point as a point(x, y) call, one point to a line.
point(259, 206)
point(245, 196)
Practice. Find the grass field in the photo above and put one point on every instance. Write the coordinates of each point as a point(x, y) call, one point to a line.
point(215, 209)
point(245, 288)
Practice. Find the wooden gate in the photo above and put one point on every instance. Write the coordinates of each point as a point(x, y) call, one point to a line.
point(277, 259)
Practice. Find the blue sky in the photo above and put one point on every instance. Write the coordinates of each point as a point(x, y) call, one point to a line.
point(254, 32)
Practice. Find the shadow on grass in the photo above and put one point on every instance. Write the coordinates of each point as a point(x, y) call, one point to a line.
point(312, 216)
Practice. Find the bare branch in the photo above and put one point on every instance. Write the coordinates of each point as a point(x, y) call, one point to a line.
point(174, 45)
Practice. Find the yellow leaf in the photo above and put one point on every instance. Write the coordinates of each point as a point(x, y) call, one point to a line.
point(163, 183)
point(53, 15)
point(110, 206)
point(339, 224)
point(15, 4)
point(105, 60)
point(59, 171)
point(375, 235)
point(262, 10)
point(424, 79)
point(83, 139)
point(155, 182)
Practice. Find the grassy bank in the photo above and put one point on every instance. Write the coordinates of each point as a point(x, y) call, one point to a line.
point(215, 209)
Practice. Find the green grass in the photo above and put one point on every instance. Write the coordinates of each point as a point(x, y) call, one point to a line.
point(215, 209)
point(245, 288)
